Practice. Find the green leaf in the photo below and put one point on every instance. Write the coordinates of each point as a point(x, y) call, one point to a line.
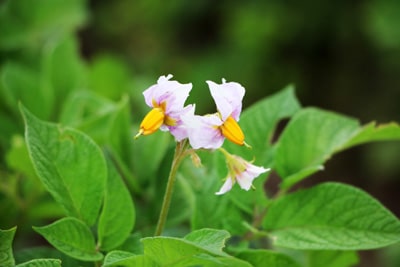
point(211, 239)
point(109, 72)
point(23, 24)
point(261, 257)
point(332, 258)
point(90, 113)
point(372, 132)
point(41, 263)
point(259, 122)
point(228, 262)
point(118, 215)
point(22, 84)
point(310, 138)
point(149, 152)
point(209, 209)
point(6, 255)
point(17, 157)
point(133, 244)
point(331, 216)
point(108, 123)
point(72, 237)
point(45, 252)
point(181, 252)
point(182, 201)
point(70, 165)
point(55, 71)
point(64, 69)
point(229, 211)
point(127, 259)
point(313, 136)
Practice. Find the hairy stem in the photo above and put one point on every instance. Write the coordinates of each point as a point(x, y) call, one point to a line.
point(180, 153)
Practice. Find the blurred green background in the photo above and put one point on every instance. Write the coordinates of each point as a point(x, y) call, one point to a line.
point(342, 56)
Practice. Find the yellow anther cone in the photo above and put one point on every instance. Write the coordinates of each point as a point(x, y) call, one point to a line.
point(231, 130)
point(151, 122)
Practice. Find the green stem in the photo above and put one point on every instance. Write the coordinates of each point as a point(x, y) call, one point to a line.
point(180, 153)
point(258, 218)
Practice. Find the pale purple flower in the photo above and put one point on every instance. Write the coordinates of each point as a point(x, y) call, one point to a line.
point(203, 131)
point(167, 98)
point(240, 171)
point(228, 98)
point(210, 131)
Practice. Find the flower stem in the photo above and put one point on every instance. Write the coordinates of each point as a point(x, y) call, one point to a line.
point(180, 153)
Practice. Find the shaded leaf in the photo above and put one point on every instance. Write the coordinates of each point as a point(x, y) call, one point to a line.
point(109, 77)
point(261, 257)
point(41, 263)
point(332, 258)
point(118, 214)
point(6, 255)
point(22, 84)
point(23, 24)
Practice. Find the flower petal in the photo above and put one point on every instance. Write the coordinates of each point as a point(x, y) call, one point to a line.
point(203, 131)
point(228, 98)
point(226, 186)
point(245, 179)
point(172, 93)
point(180, 130)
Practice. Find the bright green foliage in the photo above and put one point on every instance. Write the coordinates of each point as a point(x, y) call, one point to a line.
point(331, 216)
point(310, 138)
point(313, 136)
point(195, 248)
point(331, 258)
point(6, 255)
point(260, 257)
point(123, 258)
point(210, 239)
point(118, 215)
point(41, 263)
point(69, 164)
point(72, 237)
point(372, 132)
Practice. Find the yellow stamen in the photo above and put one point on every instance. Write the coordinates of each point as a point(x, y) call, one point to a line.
point(231, 130)
point(169, 121)
point(151, 122)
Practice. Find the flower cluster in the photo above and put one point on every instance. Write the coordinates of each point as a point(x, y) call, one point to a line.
point(168, 113)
